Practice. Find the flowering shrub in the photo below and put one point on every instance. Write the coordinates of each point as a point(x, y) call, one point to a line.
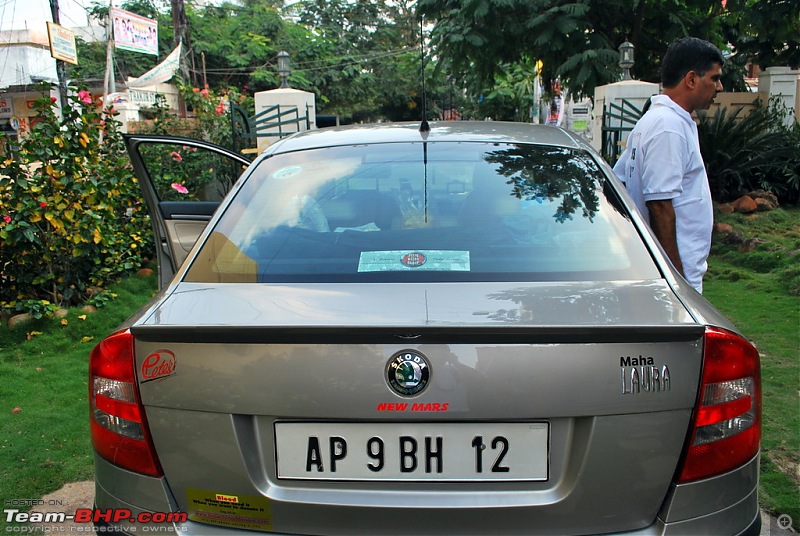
point(70, 213)
point(211, 108)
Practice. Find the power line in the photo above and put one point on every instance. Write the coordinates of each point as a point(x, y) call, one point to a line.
point(8, 49)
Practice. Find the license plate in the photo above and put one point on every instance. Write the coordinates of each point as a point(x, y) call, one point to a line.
point(461, 452)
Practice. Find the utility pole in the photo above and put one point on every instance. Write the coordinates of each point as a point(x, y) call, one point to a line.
point(180, 32)
point(61, 68)
point(180, 29)
point(109, 85)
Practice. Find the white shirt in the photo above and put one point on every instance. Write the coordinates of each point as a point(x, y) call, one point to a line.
point(662, 160)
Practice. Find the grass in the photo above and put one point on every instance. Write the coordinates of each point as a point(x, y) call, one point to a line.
point(46, 443)
point(758, 290)
point(44, 413)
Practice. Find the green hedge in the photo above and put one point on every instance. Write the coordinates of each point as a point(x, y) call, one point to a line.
point(756, 151)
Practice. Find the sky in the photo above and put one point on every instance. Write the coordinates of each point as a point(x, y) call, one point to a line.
point(32, 14)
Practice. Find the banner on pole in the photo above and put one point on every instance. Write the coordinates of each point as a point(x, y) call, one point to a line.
point(160, 73)
point(134, 32)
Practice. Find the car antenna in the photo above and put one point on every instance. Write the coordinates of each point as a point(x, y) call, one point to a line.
point(424, 126)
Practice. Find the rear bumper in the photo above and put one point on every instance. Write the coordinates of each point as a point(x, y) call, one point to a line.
point(727, 504)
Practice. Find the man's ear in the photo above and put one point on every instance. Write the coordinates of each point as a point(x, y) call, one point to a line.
point(690, 79)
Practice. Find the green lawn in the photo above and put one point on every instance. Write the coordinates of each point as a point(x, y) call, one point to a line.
point(758, 290)
point(44, 413)
point(44, 432)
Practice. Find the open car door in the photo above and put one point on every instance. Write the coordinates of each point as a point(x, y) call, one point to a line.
point(183, 181)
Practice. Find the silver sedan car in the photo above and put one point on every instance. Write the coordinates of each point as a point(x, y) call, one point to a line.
point(387, 330)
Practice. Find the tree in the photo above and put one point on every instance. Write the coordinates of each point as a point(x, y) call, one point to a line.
point(240, 42)
point(768, 31)
point(369, 63)
point(509, 97)
point(362, 58)
point(576, 40)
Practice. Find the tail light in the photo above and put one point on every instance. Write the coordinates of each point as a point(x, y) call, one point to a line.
point(118, 425)
point(726, 431)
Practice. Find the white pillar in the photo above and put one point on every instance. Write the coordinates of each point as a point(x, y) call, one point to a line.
point(781, 82)
point(288, 99)
point(634, 91)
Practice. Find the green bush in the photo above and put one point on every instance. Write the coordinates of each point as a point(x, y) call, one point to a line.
point(71, 219)
point(757, 151)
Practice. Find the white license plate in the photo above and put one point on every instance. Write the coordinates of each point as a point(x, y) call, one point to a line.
point(412, 451)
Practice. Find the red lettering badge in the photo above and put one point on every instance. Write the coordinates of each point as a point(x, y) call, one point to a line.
point(413, 260)
point(158, 365)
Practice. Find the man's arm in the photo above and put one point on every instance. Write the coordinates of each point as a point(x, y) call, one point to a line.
point(662, 222)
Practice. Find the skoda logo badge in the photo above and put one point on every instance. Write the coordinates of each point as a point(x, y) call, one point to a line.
point(408, 372)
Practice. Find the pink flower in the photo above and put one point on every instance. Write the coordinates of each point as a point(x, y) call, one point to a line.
point(195, 90)
point(204, 92)
point(42, 204)
point(85, 97)
point(53, 99)
point(7, 218)
point(176, 156)
point(180, 188)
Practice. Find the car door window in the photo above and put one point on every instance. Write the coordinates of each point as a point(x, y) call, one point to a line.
point(182, 172)
point(183, 182)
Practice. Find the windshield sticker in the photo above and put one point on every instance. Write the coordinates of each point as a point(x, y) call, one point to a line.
point(237, 511)
point(367, 227)
point(425, 260)
point(287, 172)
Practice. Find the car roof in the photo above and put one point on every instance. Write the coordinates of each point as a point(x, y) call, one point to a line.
point(450, 131)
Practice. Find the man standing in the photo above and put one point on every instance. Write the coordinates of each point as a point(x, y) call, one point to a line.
point(662, 167)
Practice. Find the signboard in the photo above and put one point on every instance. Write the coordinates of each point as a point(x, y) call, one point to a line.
point(134, 32)
point(6, 108)
point(62, 43)
point(580, 118)
point(147, 98)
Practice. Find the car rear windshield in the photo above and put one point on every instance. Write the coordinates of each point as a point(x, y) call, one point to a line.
point(424, 212)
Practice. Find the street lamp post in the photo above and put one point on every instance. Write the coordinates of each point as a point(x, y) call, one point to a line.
point(284, 68)
point(626, 59)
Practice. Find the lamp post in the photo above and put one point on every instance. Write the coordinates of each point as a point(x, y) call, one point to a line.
point(626, 59)
point(284, 68)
